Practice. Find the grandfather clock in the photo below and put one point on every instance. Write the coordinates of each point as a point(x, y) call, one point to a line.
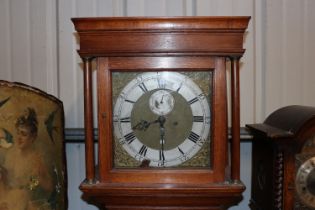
point(162, 111)
point(283, 176)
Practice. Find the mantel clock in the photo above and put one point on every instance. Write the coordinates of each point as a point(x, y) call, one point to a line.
point(283, 175)
point(162, 111)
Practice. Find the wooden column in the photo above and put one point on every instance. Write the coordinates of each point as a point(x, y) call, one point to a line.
point(235, 98)
point(88, 121)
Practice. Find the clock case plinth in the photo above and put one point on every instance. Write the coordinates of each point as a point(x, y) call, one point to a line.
point(160, 196)
point(277, 153)
point(162, 44)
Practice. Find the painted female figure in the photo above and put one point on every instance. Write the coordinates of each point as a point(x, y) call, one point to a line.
point(28, 181)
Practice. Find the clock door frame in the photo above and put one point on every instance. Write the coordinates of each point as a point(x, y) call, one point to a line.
point(218, 155)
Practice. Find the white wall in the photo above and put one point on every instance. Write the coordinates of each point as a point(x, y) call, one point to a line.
point(28, 51)
point(289, 58)
point(38, 47)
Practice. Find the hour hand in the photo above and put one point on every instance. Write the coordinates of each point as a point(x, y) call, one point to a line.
point(161, 121)
point(143, 125)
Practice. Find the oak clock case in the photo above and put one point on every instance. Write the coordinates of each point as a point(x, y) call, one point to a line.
point(283, 160)
point(162, 111)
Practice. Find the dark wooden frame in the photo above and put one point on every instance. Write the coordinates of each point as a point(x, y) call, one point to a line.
point(276, 143)
point(170, 43)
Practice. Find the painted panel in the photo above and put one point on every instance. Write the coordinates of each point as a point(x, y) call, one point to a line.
point(32, 168)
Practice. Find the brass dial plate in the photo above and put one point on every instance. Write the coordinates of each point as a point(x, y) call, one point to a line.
point(140, 102)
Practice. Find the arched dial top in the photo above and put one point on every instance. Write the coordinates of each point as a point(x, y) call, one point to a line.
point(161, 118)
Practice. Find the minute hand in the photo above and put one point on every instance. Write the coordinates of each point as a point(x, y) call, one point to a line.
point(161, 121)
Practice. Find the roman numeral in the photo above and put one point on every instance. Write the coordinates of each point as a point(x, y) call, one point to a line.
point(161, 83)
point(143, 150)
point(180, 150)
point(130, 137)
point(198, 118)
point(180, 86)
point(193, 137)
point(193, 101)
point(143, 87)
point(125, 120)
point(132, 102)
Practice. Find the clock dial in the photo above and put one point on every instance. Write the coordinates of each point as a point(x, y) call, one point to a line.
point(305, 175)
point(162, 118)
point(305, 182)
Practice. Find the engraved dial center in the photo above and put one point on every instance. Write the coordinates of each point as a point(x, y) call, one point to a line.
point(161, 102)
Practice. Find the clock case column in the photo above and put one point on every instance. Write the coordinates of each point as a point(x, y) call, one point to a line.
point(185, 38)
point(88, 122)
